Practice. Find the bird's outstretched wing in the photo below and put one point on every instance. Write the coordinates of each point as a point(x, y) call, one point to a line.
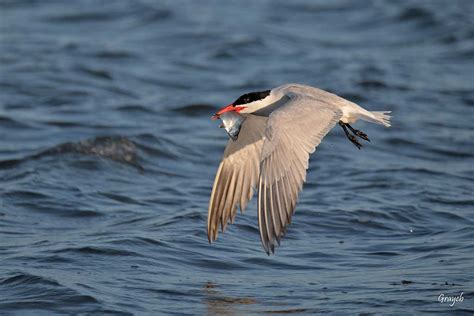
point(293, 132)
point(237, 175)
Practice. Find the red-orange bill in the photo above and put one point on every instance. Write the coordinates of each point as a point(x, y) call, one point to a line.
point(227, 108)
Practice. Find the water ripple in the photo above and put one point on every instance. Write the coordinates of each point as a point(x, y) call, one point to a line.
point(107, 157)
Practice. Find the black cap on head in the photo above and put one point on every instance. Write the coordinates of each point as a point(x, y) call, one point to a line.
point(251, 97)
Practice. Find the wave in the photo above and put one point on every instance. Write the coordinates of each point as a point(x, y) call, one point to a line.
point(28, 291)
point(196, 110)
point(117, 148)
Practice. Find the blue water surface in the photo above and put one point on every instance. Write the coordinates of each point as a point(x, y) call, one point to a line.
point(107, 157)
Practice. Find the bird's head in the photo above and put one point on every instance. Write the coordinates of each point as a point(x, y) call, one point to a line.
point(246, 103)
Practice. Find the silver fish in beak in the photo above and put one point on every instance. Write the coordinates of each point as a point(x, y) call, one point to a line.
point(231, 122)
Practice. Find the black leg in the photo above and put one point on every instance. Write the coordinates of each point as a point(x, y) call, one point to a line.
point(358, 133)
point(350, 136)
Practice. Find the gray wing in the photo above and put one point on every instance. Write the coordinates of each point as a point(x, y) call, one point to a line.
point(236, 176)
point(292, 134)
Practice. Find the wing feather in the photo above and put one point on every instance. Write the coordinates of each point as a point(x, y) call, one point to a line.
point(271, 154)
point(236, 176)
point(293, 133)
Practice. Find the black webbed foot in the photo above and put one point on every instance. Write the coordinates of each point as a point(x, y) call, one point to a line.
point(351, 137)
point(358, 133)
point(354, 140)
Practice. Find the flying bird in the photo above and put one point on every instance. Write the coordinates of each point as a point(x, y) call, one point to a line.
point(269, 152)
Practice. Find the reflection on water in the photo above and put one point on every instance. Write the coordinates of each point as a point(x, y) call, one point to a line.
point(218, 304)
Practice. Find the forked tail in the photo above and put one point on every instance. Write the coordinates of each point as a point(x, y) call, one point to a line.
point(381, 117)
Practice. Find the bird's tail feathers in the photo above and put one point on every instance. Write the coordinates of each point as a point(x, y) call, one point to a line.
point(381, 117)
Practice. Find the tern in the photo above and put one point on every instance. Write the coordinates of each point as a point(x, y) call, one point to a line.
point(279, 130)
